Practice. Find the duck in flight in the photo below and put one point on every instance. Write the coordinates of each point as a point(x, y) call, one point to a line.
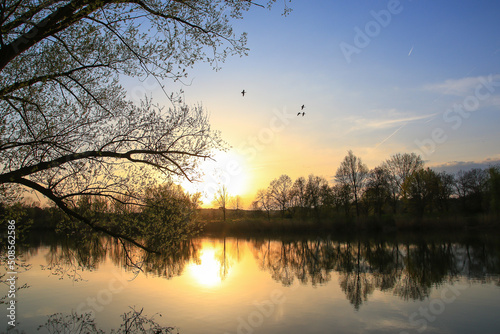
point(243, 92)
point(301, 108)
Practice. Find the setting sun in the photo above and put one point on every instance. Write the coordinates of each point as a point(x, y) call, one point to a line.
point(228, 169)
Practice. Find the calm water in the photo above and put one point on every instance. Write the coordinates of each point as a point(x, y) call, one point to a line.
point(269, 286)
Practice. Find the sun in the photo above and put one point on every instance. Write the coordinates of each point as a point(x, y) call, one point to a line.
point(227, 168)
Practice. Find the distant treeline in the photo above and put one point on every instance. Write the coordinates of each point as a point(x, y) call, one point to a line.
point(399, 191)
point(401, 185)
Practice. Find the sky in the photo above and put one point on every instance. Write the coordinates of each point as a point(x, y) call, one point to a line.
point(375, 77)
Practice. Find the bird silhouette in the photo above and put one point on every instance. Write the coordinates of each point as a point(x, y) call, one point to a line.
point(303, 114)
point(243, 92)
point(302, 108)
point(298, 113)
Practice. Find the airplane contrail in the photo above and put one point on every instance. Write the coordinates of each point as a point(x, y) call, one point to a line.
point(409, 53)
point(392, 134)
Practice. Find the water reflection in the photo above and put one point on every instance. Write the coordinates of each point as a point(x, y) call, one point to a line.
point(212, 265)
point(409, 270)
point(133, 321)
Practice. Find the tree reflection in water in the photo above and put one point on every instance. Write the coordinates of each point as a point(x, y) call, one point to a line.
point(408, 270)
point(70, 258)
point(133, 322)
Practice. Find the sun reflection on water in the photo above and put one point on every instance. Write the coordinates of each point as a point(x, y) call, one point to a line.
point(211, 269)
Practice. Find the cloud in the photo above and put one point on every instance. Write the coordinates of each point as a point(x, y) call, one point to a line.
point(455, 166)
point(380, 123)
point(463, 86)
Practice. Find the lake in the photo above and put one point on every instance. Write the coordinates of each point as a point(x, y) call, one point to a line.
point(401, 285)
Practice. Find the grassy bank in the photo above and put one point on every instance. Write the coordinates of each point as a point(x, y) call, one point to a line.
point(256, 226)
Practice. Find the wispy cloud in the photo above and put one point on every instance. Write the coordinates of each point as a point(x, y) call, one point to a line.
point(462, 86)
point(386, 122)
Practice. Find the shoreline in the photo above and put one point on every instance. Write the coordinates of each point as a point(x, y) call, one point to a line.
point(363, 226)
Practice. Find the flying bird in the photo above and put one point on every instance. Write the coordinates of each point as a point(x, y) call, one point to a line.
point(298, 113)
point(303, 113)
point(302, 108)
point(243, 92)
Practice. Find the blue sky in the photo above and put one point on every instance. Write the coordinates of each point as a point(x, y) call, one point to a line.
point(428, 81)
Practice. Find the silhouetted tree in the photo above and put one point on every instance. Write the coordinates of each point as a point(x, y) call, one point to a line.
point(421, 190)
point(400, 166)
point(313, 193)
point(328, 200)
point(378, 190)
point(353, 172)
point(67, 126)
point(236, 202)
point(265, 202)
point(221, 198)
point(280, 191)
point(89, 206)
point(446, 189)
point(343, 196)
point(298, 192)
point(471, 187)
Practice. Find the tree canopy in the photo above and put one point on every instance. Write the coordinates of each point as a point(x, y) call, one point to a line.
point(67, 127)
point(353, 173)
